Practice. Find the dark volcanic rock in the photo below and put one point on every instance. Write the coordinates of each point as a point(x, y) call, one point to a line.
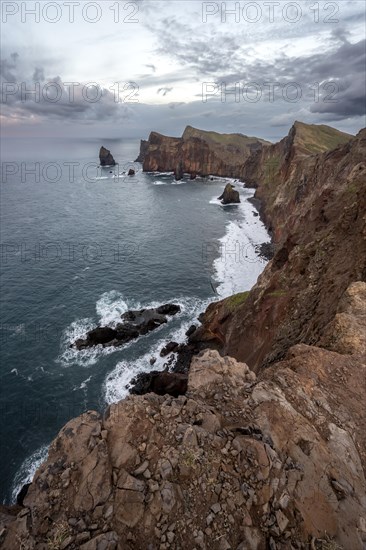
point(161, 383)
point(178, 172)
point(99, 335)
point(168, 309)
point(265, 250)
point(191, 330)
point(230, 195)
point(22, 494)
point(131, 172)
point(169, 348)
point(135, 323)
point(105, 157)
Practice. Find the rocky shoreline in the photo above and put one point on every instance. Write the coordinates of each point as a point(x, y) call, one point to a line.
point(253, 437)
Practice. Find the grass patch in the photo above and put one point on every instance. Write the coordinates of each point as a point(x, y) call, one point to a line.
point(237, 300)
point(318, 138)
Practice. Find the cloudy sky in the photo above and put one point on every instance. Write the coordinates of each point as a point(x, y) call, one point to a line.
point(121, 69)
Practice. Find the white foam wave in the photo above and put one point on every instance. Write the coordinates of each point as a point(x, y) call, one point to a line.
point(117, 383)
point(110, 306)
point(27, 470)
point(239, 264)
point(83, 384)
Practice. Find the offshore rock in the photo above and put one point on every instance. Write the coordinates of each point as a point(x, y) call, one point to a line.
point(230, 195)
point(135, 323)
point(106, 158)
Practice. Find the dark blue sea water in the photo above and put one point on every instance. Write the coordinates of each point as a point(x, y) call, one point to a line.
point(79, 246)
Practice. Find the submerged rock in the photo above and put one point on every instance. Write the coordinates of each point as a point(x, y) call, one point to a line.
point(230, 195)
point(134, 324)
point(106, 158)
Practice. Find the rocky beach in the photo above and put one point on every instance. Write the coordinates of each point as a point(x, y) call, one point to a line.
point(252, 436)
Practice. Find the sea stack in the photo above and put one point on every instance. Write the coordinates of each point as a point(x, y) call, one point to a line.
point(230, 195)
point(105, 157)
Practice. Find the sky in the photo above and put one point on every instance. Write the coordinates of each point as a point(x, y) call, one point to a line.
point(122, 69)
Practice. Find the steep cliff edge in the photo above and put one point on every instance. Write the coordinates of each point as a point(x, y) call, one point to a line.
point(239, 463)
point(242, 461)
point(316, 207)
point(199, 152)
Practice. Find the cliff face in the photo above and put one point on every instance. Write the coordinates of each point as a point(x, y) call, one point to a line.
point(199, 152)
point(239, 462)
point(275, 459)
point(316, 206)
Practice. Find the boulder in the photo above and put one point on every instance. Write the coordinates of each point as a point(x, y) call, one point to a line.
point(168, 309)
point(230, 195)
point(169, 348)
point(106, 158)
point(131, 172)
point(161, 383)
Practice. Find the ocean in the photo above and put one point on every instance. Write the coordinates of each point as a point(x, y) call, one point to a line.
point(80, 245)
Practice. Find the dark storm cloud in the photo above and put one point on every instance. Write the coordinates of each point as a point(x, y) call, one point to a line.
point(218, 57)
point(8, 67)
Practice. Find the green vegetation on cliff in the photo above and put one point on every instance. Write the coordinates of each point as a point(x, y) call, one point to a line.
point(317, 138)
point(236, 140)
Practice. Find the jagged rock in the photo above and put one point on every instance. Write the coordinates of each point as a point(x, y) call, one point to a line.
point(161, 470)
point(160, 383)
point(169, 348)
point(199, 152)
point(230, 195)
point(106, 158)
point(135, 323)
point(191, 330)
point(168, 309)
point(22, 494)
point(144, 146)
point(131, 172)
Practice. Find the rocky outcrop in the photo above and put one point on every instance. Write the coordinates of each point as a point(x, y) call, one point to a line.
point(144, 144)
point(316, 209)
point(238, 462)
point(230, 195)
point(135, 323)
point(106, 158)
point(250, 159)
point(199, 153)
point(161, 383)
